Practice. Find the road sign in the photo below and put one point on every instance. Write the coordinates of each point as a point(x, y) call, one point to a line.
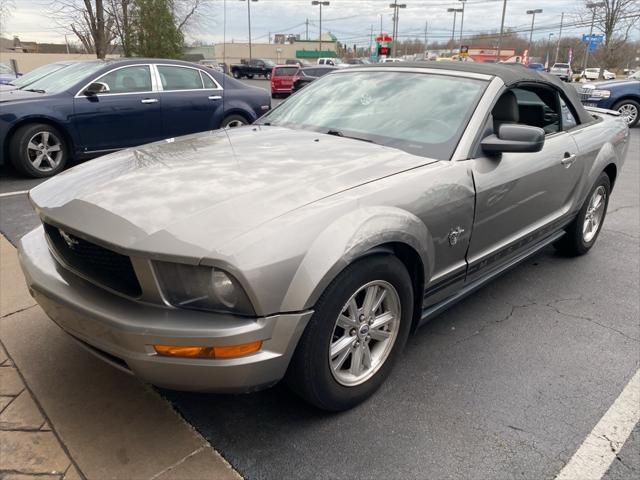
point(598, 39)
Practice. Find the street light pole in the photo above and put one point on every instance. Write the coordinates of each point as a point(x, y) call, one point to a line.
point(592, 7)
point(396, 6)
point(533, 19)
point(461, 23)
point(453, 32)
point(504, 11)
point(548, 50)
point(559, 38)
point(249, 20)
point(320, 3)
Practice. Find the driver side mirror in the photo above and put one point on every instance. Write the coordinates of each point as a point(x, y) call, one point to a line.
point(96, 88)
point(514, 138)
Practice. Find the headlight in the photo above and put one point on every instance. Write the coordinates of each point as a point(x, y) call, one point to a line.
point(202, 288)
point(600, 93)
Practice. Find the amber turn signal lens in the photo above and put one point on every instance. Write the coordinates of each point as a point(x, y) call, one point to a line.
point(231, 351)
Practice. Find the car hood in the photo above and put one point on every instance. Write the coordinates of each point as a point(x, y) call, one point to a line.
point(183, 197)
point(11, 95)
point(605, 84)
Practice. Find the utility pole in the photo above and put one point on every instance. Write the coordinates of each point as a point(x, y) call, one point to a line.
point(593, 7)
point(548, 48)
point(396, 6)
point(307, 24)
point(426, 26)
point(453, 32)
point(371, 41)
point(380, 24)
point(504, 11)
point(249, 20)
point(320, 3)
point(559, 38)
point(461, 24)
point(533, 19)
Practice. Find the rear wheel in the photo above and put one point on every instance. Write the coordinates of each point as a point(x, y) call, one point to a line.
point(233, 121)
point(358, 329)
point(630, 111)
point(38, 150)
point(583, 232)
point(267, 76)
point(236, 74)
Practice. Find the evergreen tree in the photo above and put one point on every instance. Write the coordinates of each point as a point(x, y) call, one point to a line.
point(156, 34)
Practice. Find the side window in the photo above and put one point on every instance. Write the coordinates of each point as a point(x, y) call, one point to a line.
point(568, 119)
point(179, 78)
point(127, 80)
point(208, 83)
point(321, 62)
point(538, 108)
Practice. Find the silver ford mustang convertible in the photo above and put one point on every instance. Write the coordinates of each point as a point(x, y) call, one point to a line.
point(308, 246)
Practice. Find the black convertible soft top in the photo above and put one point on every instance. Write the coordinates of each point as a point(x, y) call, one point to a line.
point(510, 73)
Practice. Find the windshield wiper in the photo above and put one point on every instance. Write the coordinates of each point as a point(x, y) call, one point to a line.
point(340, 133)
point(36, 90)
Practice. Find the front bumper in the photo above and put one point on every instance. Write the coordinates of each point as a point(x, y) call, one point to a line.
point(122, 331)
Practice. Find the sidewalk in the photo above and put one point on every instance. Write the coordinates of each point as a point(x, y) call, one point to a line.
point(66, 415)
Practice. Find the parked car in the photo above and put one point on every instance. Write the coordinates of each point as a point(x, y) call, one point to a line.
point(562, 71)
point(594, 74)
point(7, 75)
point(620, 95)
point(309, 246)
point(282, 78)
point(36, 74)
point(357, 61)
point(252, 68)
point(393, 60)
point(91, 108)
point(333, 62)
point(297, 61)
point(536, 66)
point(307, 75)
point(213, 64)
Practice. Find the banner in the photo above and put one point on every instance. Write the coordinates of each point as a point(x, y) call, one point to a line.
point(570, 56)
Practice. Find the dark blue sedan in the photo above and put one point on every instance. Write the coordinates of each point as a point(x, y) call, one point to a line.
point(92, 108)
point(620, 95)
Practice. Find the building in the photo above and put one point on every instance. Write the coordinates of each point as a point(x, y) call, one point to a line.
point(490, 54)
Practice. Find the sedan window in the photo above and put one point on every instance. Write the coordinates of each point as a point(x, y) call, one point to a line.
point(132, 79)
point(179, 78)
point(208, 83)
point(421, 113)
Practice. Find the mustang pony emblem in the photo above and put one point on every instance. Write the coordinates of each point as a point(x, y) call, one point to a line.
point(69, 240)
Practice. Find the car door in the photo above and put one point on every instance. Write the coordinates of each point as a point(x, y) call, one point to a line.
point(124, 114)
point(523, 197)
point(191, 100)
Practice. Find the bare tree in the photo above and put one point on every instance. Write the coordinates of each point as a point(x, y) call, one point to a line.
point(89, 21)
point(5, 12)
point(615, 20)
point(122, 12)
point(186, 12)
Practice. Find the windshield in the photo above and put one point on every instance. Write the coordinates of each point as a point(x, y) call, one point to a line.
point(269, 63)
point(424, 114)
point(37, 74)
point(67, 77)
point(561, 65)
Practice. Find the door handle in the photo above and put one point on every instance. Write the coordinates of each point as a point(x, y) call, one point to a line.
point(568, 159)
point(215, 97)
point(149, 100)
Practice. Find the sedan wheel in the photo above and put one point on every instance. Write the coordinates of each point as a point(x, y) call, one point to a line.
point(358, 329)
point(364, 333)
point(629, 110)
point(38, 150)
point(594, 214)
point(234, 121)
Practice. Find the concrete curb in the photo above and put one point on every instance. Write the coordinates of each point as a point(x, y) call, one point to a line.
point(108, 424)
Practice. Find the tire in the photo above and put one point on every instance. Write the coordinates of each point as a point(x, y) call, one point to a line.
point(274, 95)
point(47, 155)
point(311, 373)
point(236, 74)
point(267, 76)
point(579, 239)
point(233, 121)
point(630, 111)
point(250, 77)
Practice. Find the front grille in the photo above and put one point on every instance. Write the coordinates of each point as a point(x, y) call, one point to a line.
point(94, 262)
point(585, 93)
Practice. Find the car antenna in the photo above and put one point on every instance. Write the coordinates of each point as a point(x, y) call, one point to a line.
point(224, 52)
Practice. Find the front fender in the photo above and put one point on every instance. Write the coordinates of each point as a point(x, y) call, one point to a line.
point(348, 238)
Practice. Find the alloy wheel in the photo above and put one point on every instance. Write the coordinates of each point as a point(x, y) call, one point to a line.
point(45, 151)
point(629, 112)
point(594, 214)
point(364, 333)
point(235, 124)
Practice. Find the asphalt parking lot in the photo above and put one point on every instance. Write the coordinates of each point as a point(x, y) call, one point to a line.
point(507, 384)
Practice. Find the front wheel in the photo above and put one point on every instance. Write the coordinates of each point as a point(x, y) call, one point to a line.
point(267, 76)
point(236, 75)
point(583, 232)
point(358, 329)
point(629, 110)
point(38, 150)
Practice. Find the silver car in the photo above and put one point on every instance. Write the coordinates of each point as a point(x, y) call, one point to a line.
point(308, 246)
point(562, 71)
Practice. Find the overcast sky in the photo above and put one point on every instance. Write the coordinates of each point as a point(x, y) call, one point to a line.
point(349, 20)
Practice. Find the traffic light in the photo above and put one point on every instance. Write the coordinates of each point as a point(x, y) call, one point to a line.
point(383, 50)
